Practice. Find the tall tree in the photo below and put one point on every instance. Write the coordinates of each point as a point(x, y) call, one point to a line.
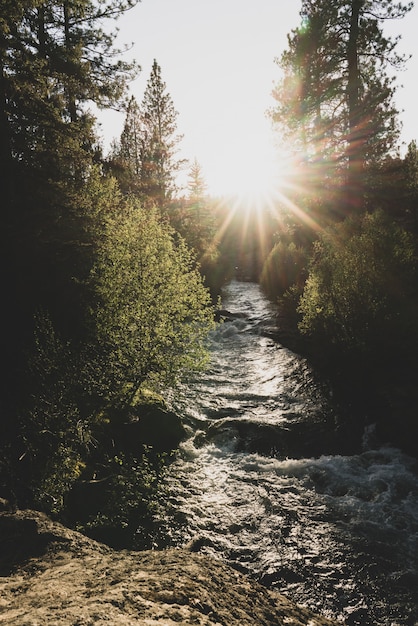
point(159, 164)
point(336, 87)
point(55, 58)
point(196, 188)
point(130, 140)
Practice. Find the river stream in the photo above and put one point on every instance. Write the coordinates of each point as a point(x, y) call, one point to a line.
point(333, 531)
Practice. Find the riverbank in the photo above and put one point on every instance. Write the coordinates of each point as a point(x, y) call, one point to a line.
point(52, 575)
point(369, 390)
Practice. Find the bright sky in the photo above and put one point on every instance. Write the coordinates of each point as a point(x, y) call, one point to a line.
point(217, 60)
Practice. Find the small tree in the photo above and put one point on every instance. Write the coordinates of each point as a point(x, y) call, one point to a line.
point(152, 312)
point(361, 286)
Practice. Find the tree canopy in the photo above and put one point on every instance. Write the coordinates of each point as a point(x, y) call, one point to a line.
point(335, 100)
point(146, 154)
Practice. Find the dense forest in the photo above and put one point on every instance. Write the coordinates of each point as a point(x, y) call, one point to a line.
point(111, 273)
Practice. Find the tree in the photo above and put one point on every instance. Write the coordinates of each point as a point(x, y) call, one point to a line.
point(147, 319)
point(394, 187)
point(125, 159)
point(144, 159)
point(159, 142)
point(130, 140)
point(150, 309)
point(362, 287)
point(55, 59)
point(336, 97)
point(196, 203)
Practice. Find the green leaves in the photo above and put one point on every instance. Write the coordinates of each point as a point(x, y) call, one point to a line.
point(361, 284)
point(335, 100)
point(151, 310)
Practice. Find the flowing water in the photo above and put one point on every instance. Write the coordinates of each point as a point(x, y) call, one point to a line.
point(259, 484)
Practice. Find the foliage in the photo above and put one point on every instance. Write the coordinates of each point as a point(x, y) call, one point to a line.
point(195, 218)
point(151, 310)
point(131, 512)
point(54, 58)
point(335, 100)
point(393, 186)
point(55, 427)
point(145, 157)
point(285, 266)
point(147, 315)
point(362, 286)
point(102, 296)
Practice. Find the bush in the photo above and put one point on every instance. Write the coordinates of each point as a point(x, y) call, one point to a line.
point(151, 311)
point(361, 287)
point(125, 509)
point(146, 320)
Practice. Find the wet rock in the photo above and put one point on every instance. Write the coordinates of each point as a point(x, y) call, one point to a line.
point(153, 426)
point(299, 439)
point(222, 315)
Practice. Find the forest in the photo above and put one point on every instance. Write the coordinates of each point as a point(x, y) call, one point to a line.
point(111, 273)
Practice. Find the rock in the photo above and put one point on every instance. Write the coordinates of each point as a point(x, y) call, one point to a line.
point(152, 425)
point(222, 315)
point(62, 577)
point(299, 439)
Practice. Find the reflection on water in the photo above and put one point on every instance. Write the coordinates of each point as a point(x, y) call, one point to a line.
point(336, 533)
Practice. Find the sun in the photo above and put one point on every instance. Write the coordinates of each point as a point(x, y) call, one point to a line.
point(253, 183)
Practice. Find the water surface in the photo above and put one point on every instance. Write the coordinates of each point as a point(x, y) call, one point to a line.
point(257, 487)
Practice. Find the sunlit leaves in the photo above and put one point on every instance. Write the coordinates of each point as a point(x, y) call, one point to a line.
point(334, 101)
point(152, 312)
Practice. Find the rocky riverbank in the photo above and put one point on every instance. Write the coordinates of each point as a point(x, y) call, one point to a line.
point(50, 575)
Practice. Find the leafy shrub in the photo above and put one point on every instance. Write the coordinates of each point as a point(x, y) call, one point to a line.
point(361, 285)
point(151, 311)
point(147, 315)
point(55, 430)
point(131, 513)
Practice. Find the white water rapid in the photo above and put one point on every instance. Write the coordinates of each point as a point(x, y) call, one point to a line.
point(259, 485)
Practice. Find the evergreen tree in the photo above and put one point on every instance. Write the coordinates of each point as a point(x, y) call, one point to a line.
point(130, 140)
point(336, 97)
point(159, 144)
point(54, 59)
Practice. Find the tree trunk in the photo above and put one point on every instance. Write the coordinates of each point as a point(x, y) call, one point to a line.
point(356, 135)
point(72, 108)
point(5, 138)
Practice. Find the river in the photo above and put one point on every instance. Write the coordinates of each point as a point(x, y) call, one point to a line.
point(260, 484)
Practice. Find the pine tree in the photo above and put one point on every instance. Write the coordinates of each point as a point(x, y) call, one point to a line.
point(336, 97)
point(130, 140)
point(159, 146)
point(55, 59)
point(197, 189)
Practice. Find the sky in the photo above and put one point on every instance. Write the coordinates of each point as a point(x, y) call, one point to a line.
point(217, 58)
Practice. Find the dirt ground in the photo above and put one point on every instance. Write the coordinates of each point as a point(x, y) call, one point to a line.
point(52, 575)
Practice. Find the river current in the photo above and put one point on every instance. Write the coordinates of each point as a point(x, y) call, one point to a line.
point(336, 532)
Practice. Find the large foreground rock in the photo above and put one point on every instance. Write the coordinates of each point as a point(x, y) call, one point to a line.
point(52, 575)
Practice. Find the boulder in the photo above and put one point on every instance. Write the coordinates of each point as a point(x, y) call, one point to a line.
point(151, 425)
point(52, 575)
